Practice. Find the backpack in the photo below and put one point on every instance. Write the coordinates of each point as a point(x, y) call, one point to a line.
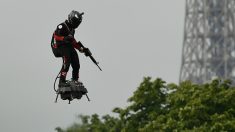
point(54, 48)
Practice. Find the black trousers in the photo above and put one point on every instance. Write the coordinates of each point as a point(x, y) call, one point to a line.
point(70, 57)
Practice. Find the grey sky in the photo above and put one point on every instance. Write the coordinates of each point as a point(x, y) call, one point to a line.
point(130, 38)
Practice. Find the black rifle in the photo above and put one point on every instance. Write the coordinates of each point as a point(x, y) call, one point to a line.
point(81, 14)
point(90, 55)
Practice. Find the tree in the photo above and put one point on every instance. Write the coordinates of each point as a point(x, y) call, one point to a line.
point(156, 106)
point(147, 102)
point(208, 107)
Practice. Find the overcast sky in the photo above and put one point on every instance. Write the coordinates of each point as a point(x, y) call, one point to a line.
point(130, 38)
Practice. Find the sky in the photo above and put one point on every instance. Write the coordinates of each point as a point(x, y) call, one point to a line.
point(131, 39)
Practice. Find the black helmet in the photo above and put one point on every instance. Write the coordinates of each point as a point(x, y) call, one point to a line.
point(75, 18)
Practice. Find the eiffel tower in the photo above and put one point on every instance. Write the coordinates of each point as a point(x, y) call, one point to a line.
point(209, 41)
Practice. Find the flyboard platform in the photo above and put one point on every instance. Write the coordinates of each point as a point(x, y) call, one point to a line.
point(73, 91)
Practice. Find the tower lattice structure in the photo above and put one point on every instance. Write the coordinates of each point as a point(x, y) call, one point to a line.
point(209, 41)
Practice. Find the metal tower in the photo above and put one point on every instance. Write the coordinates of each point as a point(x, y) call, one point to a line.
point(209, 41)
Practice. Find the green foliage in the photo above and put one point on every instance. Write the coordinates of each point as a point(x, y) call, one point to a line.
point(156, 106)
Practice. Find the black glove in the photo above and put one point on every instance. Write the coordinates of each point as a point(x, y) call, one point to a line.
point(87, 52)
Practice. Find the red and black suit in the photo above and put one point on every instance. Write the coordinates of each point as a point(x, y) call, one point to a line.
point(65, 45)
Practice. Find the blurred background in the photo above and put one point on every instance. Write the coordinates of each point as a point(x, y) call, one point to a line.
point(131, 39)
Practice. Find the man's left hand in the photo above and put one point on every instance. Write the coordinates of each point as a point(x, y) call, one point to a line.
point(87, 52)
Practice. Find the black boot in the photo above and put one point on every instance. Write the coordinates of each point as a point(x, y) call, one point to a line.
point(76, 81)
point(63, 83)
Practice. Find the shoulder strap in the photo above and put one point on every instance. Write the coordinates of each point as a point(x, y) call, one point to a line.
point(66, 26)
point(71, 32)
